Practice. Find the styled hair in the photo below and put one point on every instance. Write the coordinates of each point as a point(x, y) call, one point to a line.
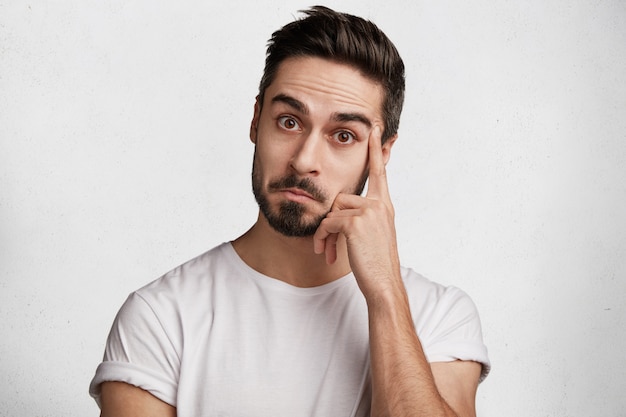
point(345, 39)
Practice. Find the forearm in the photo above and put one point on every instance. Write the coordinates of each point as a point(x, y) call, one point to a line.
point(402, 380)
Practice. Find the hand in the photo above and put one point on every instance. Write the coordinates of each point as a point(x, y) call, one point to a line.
point(368, 226)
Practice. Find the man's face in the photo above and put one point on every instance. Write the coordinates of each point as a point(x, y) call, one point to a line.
point(311, 137)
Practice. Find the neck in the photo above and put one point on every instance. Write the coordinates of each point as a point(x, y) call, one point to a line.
point(289, 259)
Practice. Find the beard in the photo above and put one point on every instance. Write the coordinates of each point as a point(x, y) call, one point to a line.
point(290, 217)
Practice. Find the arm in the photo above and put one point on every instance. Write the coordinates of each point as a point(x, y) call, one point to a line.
point(139, 351)
point(119, 399)
point(457, 382)
point(403, 382)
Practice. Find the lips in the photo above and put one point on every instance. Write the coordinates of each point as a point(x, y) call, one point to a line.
point(297, 194)
point(300, 189)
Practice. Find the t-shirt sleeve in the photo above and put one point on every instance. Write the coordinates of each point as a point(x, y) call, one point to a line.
point(139, 352)
point(449, 327)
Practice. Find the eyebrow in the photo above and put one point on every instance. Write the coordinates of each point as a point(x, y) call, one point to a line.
point(336, 117)
point(352, 117)
point(291, 102)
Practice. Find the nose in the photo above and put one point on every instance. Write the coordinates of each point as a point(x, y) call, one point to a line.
point(308, 155)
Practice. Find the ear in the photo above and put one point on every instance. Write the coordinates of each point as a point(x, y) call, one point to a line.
point(387, 148)
point(254, 125)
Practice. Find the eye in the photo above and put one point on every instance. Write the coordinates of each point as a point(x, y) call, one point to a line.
point(288, 123)
point(344, 137)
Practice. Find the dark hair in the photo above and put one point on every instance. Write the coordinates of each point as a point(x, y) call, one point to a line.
point(345, 39)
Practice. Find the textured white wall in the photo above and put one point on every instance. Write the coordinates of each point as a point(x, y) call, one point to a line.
point(124, 152)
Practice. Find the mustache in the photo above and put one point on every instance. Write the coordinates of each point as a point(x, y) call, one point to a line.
point(304, 184)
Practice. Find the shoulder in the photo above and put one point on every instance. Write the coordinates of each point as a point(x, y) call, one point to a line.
point(188, 291)
point(446, 320)
point(161, 310)
point(427, 296)
point(195, 276)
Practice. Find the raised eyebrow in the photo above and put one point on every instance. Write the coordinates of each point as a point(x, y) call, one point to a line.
point(291, 102)
point(352, 117)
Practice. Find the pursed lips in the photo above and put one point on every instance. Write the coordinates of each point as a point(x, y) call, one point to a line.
point(297, 193)
point(297, 189)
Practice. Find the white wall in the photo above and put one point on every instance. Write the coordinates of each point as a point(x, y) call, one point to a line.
point(124, 152)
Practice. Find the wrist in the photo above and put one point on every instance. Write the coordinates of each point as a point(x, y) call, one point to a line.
point(388, 298)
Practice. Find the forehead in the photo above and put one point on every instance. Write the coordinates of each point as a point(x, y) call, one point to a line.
point(326, 85)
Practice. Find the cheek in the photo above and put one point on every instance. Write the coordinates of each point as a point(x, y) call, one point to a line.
point(270, 160)
point(358, 162)
point(348, 173)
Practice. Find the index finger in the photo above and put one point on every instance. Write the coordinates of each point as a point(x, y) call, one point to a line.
point(377, 187)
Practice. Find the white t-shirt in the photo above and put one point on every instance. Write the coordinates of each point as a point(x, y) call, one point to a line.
point(214, 337)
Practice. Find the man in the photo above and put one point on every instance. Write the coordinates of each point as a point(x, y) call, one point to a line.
point(309, 313)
